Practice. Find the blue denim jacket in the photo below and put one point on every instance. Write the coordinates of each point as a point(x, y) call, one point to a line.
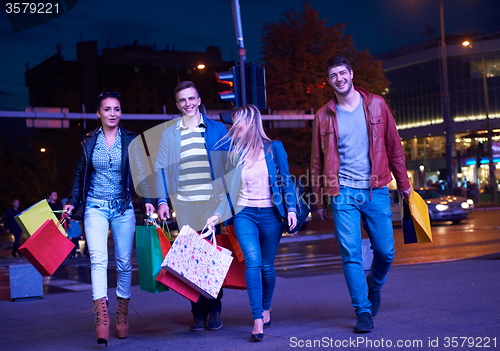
point(277, 161)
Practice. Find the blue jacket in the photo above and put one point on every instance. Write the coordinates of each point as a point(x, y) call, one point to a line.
point(166, 168)
point(278, 170)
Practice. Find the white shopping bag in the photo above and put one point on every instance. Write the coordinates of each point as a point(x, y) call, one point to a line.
point(198, 262)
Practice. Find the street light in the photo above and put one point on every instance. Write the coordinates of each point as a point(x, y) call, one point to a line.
point(493, 182)
point(422, 176)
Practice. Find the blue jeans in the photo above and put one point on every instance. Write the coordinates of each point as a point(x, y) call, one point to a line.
point(100, 216)
point(258, 230)
point(348, 209)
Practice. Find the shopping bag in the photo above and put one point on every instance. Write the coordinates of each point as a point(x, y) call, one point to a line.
point(366, 254)
point(177, 285)
point(235, 278)
point(47, 248)
point(33, 217)
point(151, 246)
point(420, 219)
point(198, 262)
point(409, 234)
point(234, 243)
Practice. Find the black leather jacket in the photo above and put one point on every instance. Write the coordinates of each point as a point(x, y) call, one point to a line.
point(81, 179)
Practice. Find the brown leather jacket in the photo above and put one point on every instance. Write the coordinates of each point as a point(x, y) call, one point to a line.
point(386, 152)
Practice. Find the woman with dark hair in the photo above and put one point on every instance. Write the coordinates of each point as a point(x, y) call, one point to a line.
point(102, 187)
point(261, 169)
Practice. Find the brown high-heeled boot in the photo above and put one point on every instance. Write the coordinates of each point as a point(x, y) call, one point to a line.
point(122, 318)
point(101, 320)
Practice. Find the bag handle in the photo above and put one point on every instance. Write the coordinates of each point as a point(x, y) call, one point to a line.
point(163, 237)
point(152, 221)
point(210, 230)
point(64, 217)
point(167, 233)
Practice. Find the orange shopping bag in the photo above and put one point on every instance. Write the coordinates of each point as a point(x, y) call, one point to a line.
point(235, 278)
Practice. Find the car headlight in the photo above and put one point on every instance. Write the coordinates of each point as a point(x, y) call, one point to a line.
point(465, 205)
point(441, 207)
point(470, 202)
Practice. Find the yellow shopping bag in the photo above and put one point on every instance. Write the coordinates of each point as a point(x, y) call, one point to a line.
point(34, 217)
point(420, 214)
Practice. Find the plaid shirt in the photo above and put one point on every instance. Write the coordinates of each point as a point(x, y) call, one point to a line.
point(106, 178)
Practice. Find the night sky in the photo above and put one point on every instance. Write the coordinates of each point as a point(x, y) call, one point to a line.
point(376, 25)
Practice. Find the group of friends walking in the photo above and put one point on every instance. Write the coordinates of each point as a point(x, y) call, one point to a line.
point(355, 147)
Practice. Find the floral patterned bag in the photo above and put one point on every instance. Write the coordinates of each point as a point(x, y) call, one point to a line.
point(198, 262)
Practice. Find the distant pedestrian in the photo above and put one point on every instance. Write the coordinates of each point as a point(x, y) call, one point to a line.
point(74, 234)
point(103, 181)
point(13, 228)
point(355, 147)
point(55, 204)
point(261, 169)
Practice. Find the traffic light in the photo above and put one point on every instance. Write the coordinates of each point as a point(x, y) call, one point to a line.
point(255, 84)
point(231, 77)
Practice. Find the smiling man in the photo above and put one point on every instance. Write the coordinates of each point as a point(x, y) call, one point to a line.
point(190, 167)
point(355, 147)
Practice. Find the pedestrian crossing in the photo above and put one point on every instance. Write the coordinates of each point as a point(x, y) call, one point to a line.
point(301, 261)
point(74, 275)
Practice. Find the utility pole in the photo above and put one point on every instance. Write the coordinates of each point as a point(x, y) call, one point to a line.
point(493, 181)
point(242, 52)
point(445, 100)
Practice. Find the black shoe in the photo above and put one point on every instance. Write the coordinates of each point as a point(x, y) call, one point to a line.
point(199, 323)
point(268, 324)
point(214, 321)
point(257, 337)
point(364, 323)
point(374, 298)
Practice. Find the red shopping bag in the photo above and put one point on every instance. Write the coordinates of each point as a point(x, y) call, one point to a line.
point(47, 248)
point(235, 244)
point(177, 285)
point(235, 278)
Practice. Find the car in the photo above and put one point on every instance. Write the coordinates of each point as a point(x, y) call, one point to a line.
point(442, 207)
point(396, 206)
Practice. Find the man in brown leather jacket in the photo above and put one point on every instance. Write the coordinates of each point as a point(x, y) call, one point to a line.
point(355, 148)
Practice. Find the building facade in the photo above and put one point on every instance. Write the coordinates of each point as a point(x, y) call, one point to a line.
point(415, 96)
point(143, 76)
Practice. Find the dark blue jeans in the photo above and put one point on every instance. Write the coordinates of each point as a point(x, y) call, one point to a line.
point(258, 230)
point(348, 209)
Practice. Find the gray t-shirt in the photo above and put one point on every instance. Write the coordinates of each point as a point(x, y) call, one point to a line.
point(353, 147)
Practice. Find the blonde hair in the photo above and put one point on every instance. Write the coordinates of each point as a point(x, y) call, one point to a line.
point(246, 147)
